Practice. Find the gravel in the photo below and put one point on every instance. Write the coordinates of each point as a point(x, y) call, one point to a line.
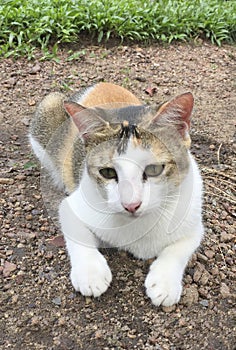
point(39, 308)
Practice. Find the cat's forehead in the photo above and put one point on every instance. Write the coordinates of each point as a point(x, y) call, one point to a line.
point(134, 154)
point(124, 125)
point(129, 141)
point(133, 137)
point(133, 114)
point(128, 133)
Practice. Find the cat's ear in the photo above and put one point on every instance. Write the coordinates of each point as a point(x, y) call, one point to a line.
point(86, 119)
point(179, 108)
point(176, 112)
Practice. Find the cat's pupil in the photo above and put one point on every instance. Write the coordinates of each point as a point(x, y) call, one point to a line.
point(109, 173)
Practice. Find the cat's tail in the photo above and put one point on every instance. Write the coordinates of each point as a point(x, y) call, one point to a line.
point(46, 133)
point(48, 117)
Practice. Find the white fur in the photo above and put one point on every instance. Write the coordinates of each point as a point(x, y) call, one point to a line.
point(130, 188)
point(167, 225)
point(46, 161)
point(81, 97)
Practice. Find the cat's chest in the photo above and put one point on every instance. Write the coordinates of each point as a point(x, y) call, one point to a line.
point(144, 235)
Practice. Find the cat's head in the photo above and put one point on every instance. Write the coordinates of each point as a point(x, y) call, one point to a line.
point(137, 156)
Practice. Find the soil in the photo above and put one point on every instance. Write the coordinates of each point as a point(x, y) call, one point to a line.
point(39, 308)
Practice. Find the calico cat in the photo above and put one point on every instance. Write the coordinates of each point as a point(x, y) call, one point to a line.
point(131, 183)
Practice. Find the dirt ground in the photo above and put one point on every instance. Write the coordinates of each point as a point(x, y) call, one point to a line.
point(39, 308)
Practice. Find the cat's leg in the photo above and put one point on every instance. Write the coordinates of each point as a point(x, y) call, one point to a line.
point(164, 280)
point(90, 273)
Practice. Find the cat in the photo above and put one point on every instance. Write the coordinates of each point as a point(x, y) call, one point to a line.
point(131, 183)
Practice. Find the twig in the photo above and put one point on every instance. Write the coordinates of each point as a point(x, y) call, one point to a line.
point(221, 252)
point(228, 211)
point(218, 154)
point(209, 170)
point(221, 181)
point(211, 212)
point(217, 195)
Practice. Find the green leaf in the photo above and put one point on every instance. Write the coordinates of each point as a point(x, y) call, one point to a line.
point(100, 36)
point(29, 165)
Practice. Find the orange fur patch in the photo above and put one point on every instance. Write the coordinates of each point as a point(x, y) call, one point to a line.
point(107, 93)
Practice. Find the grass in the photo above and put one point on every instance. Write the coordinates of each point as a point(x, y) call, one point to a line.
point(29, 24)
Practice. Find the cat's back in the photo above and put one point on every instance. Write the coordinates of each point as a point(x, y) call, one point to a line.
point(105, 94)
point(50, 113)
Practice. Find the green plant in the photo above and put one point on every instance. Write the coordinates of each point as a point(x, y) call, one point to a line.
point(29, 165)
point(76, 56)
point(26, 25)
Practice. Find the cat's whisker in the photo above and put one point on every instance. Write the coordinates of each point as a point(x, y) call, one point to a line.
point(163, 213)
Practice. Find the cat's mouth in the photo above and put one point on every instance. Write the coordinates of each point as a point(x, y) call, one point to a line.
point(134, 215)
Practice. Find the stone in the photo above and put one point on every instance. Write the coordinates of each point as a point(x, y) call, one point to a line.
point(190, 295)
point(224, 290)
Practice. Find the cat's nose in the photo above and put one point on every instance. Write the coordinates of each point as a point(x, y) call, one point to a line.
point(132, 207)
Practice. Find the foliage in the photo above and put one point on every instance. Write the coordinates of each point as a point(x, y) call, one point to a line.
point(27, 24)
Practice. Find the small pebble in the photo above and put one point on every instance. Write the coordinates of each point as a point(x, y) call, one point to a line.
point(226, 237)
point(209, 253)
point(204, 302)
point(6, 181)
point(204, 278)
point(168, 309)
point(57, 301)
point(224, 290)
point(201, 257)
point(190, 295)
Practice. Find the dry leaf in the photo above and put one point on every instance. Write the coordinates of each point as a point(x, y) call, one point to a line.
point(57, 241)
point(151, 90)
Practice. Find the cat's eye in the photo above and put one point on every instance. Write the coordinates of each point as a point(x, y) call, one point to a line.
point(153, 170)
point(108, 173)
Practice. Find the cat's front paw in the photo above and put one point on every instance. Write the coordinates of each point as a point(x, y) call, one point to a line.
point(91, 278)
point(163, 288)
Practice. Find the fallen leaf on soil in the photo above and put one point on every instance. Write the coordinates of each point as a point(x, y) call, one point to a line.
point(57, 241)
point(151, 90)
point(8, 268)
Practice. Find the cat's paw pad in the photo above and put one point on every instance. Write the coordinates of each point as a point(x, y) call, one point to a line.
point(92, 278)
point(163, 289)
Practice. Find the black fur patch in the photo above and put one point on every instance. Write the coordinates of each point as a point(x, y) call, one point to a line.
point(127, 130)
